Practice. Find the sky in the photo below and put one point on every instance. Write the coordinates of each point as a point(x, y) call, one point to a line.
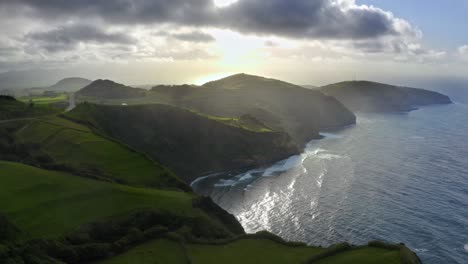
point(194, 41)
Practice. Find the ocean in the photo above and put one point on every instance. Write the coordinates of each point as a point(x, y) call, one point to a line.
point(399, 177)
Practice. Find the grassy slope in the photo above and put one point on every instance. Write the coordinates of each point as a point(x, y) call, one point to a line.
point(77, 147)
point(243, 122)
point(254, 251)
point(161, 251)
point(251, 251)
point(48, 204)
point(41, 100)
point(366, 255)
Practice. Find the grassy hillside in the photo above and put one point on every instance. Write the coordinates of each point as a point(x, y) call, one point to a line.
point(300, 112)
point(377, 97)
point(110, 90)
point(46, 203)
point(76, 219)
point(59, 144)
point(10, 108)
point(190, 144)
point(257, 250)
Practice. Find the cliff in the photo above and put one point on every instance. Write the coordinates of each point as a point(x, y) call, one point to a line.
point(367, 96)
point(188, 143)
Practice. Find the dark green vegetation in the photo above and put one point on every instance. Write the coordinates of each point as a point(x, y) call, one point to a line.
point(377, 97)
point(190, 144)
point(110, 90)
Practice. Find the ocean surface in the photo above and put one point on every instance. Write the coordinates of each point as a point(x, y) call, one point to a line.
point(392, 177)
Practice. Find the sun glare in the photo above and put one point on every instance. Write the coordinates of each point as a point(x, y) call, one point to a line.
point(224, 3)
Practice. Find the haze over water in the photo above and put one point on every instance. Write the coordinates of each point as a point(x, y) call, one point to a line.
point(392, 177)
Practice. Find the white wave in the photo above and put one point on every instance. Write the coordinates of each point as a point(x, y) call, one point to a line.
point(421, 250)
point(466, 247)
point(324, 154)
point(197, 180)
point(225, 183)
point(245, 177)
point(284, 165)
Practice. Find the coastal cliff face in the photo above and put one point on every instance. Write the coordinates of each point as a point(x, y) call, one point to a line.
point(190, 144)
point(300, 112)
point(364, 96)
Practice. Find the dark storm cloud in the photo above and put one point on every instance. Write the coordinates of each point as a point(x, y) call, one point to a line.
point(194, 12)
point(290, 18)
point(308, 19)
point(66, 38)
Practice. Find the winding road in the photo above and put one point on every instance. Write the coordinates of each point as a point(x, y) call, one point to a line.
point(71, 102)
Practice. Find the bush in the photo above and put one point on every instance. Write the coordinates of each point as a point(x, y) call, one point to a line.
point(8, 231)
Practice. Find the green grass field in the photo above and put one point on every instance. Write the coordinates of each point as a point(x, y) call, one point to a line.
point(236, 122)
point(48, 204)
point(45, 100)
point(161, 251)
point(251, 251)
point(247, 251)
point(367, 255)
point(77, 147)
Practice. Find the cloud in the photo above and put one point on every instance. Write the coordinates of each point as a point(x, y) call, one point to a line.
point(193, 12)
point(194, 36)
point(463, 50)
point(62, 31)
point(333, 19)
point(68, 37)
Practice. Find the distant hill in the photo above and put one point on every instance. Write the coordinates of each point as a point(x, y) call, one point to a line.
point(107, 89)
point(300, 112)
point(368, 96)
point(14, 80)
point(69, 84)
point(190, 144)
